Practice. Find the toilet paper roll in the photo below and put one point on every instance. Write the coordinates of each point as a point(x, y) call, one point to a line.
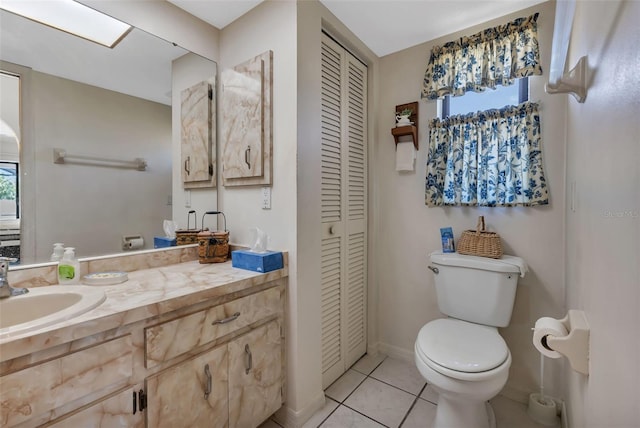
point(547, 327)
point(135, 243)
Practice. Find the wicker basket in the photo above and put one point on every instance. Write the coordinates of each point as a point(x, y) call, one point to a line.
point(213, 246)
point(186, 237)
point(479, 242)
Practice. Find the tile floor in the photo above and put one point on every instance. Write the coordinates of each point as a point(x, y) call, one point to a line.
point(381, 391)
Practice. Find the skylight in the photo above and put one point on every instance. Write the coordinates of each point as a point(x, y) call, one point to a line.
point(71, 17)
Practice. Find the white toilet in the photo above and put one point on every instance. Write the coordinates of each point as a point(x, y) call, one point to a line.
point(463, 357)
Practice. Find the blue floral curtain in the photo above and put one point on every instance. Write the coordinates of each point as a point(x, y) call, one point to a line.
point(495, 56)
point(491, 158)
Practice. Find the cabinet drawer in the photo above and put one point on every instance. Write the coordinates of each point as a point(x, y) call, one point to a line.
point(173, 338)
point(44, 387)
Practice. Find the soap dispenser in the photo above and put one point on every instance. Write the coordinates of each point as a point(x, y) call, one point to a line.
point(58, 251)
point(68, 268)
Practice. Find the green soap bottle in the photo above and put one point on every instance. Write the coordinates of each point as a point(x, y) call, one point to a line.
point(69, 268)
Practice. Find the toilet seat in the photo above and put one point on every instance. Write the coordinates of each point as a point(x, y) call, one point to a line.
point(461, 349)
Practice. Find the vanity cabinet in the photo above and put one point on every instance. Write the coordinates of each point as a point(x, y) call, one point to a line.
point(217, 363)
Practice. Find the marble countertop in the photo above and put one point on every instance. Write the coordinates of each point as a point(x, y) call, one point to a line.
point(147, 293)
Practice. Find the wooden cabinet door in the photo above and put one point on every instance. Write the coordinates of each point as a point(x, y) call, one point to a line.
point(114, 411)
point(255, 376)
point(177, 397)
point(196, 133)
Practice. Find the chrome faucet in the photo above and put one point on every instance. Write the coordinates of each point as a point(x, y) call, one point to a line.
point(5, 289)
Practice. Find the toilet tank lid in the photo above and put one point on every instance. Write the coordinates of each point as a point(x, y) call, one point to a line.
point(505, 264)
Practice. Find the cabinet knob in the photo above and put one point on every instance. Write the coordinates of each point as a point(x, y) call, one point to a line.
point(248, 362)
point(247, 158)
point(331, 230)
point(187, 165)
point(226, 320)
point(207, 388)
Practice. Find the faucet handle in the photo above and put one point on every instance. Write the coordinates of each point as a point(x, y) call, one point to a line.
point(4, 264)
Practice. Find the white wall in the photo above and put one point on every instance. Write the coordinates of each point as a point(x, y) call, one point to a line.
point(410, 230)
point(603, 231)
point(91, 207)
point(271, 26)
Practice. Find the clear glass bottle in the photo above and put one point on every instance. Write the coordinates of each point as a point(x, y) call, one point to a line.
point(58, 251)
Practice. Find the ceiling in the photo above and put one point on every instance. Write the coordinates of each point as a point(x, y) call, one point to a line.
point(385, 26)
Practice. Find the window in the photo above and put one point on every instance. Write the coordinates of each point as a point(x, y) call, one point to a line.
point(472, 102)
point(9, 197)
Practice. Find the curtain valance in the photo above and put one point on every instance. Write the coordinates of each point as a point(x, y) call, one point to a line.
point(495, 56)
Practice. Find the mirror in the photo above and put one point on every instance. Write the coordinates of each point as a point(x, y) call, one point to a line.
point(104, 108)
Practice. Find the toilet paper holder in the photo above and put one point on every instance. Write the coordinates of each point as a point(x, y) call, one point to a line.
point(575, 345)
point(132, 242)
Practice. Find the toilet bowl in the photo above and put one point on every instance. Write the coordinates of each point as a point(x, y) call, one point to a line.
point(467, 364)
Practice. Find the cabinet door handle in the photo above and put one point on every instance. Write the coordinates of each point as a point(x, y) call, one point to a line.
point(248, 362)
point(187, 165)
point(247, 159)
point(207, 388)
point(226, 320)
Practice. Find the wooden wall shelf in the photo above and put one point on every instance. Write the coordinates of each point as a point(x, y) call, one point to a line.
point(401, 131)
point(412, 130)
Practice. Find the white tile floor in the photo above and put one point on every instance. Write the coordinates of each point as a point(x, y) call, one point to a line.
point(384, 392)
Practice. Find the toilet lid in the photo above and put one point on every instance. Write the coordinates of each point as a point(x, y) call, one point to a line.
point(462, 346)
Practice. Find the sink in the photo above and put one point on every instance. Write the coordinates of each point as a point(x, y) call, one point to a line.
point(44, 306)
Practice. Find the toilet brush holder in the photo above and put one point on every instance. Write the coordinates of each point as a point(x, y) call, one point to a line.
point(542, 410)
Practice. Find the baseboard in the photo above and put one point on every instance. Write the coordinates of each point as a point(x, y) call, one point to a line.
point(396, 352)
point(290, 418)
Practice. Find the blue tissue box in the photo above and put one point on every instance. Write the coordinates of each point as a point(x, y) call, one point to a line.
point(257, 262)
point(163, 242)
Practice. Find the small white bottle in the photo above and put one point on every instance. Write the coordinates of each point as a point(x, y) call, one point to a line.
point(58, 251)
point(69, 268)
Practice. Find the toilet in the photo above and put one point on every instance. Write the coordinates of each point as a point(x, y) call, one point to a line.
point(463, 357)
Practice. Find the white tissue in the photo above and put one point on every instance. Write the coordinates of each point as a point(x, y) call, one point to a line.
point(544, 327)
point(405, 156)
point(260, 241)
point(169, 227)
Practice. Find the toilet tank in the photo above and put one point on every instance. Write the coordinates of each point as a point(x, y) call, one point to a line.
point(477, 289)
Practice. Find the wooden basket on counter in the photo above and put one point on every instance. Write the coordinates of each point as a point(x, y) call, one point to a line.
point(479, 242)
point(213, 246)
point(188, 236)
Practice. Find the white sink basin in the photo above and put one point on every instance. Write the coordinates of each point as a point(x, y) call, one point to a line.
point(44, 306)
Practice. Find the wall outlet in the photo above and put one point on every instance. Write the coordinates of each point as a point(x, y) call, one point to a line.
point(187, 199)
point(266, 198)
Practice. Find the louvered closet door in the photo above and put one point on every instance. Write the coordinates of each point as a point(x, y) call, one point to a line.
point(344, 210)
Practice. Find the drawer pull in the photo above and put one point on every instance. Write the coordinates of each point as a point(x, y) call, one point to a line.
point(207, 389)
point(248, 362)
point(226, 320)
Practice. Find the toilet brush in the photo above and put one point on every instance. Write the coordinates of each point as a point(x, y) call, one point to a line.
point(542, 409)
